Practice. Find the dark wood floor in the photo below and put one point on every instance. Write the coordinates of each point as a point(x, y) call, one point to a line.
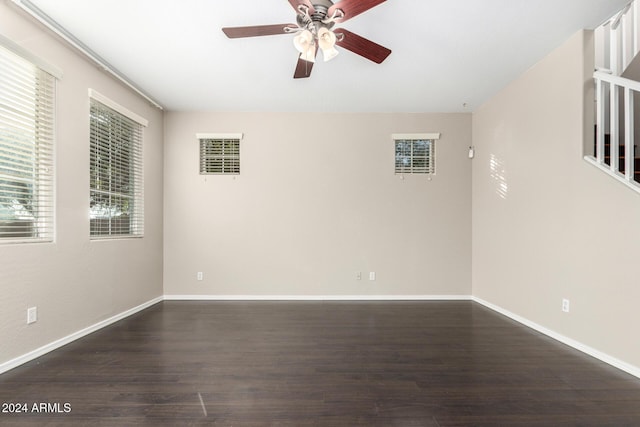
point(320, 364)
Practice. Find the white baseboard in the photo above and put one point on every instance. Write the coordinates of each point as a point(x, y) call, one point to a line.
point(617, 363)
point(317, 297)
point(6, 366)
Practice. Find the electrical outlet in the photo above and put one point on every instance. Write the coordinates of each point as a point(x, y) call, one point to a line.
point(565, 305)
point(200, 276)
point(372, 275)
point(32, 315)
point(358, 275)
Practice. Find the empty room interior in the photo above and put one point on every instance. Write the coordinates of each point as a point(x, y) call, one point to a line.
point(305, 212)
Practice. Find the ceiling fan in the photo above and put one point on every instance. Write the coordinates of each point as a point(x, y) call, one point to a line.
point(315, 20)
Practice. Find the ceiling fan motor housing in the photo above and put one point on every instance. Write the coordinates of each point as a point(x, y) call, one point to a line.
point(318, 19)
point(322, 4)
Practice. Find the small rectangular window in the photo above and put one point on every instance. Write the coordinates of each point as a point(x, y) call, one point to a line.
point(415, 154)
point(116, 170)
point(27, 110)
point(219, 154)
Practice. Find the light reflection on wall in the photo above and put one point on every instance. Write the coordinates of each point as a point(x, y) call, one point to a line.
point(499, 175)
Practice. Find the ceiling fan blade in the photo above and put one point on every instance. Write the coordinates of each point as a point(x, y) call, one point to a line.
point(303, 69)
point(353, 8)
point(361, 46)
point(296, 3)
point(258, 30)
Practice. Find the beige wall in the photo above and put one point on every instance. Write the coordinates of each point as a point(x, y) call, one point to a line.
point(547, 225)
point(317, 200)
point(76, 283)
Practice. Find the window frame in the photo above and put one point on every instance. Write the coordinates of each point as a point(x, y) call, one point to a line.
point(429, 157)
point(28, 123)
point(130, 200)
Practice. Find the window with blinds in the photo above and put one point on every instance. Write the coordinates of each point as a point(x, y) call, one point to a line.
point(27, 110)
point(219, 154)
point(415, 154)
point(116, 172)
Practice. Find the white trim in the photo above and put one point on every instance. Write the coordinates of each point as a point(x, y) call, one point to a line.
point(117, 107)
point(14, 363)
point(25, 54)
point(318, 297)
point(617, 363)
point(414, 136)
point(617, 80)
point(219, 135)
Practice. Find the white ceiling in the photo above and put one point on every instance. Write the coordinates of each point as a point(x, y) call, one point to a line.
point(446, 53)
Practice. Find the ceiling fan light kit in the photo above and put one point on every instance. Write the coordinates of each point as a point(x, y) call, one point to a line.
point(305, 44)
point(315, 20)
point(327, 42)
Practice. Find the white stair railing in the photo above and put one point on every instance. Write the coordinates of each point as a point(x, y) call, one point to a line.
point(617, 40)
point(615, 112)
point(617, 43)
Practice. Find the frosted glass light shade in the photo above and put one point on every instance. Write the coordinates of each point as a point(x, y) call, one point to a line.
point(327, 41)
point(329, 54)
point(303, 41)
point(305, 44)
point(310, 54)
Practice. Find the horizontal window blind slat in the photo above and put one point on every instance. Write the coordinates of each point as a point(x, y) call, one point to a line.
point(116, 192)
point(219, 156)
point(414, 156)
point(27, 116)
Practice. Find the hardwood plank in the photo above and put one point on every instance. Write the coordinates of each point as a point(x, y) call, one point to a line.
point(321, 364)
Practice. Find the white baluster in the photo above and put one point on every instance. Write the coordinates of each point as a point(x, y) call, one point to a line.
point(635, 23)
point(613, 50)
point(600, 118)
point(614, 132)
point(628, 135)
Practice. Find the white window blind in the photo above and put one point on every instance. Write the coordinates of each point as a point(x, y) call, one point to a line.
point(219, 154)
point(116, 174)
point(27, 114)
point(415, 153)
